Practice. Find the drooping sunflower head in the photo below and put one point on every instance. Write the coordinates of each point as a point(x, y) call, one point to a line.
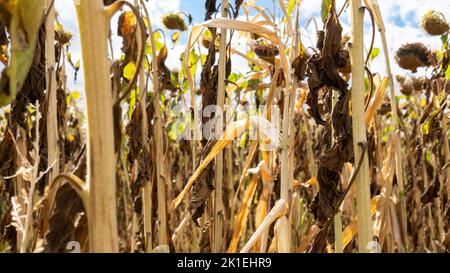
point(434, 23)
point(414, 55)
point(174, 21)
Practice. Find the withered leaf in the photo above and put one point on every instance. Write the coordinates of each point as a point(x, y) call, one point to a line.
point(23, 19)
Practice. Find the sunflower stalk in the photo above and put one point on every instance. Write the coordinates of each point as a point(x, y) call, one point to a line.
point(373, 5)
point(93, 24)
point(218, 177)
point(359, 129)
point(147, 190)
point(52, 114)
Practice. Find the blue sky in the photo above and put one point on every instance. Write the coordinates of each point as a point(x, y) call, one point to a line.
point(402, 21)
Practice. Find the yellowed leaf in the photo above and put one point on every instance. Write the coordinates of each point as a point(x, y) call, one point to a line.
point(232, 131)
point(376, 101)
point(352, 229)
point(241, 217)
point(129, 70)
point(25, 19)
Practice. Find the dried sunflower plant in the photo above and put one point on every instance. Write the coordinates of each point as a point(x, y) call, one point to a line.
point(242, 127)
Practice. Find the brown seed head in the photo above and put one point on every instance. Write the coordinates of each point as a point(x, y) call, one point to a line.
point(414, 55)
point(434, 23)
point(174, 21)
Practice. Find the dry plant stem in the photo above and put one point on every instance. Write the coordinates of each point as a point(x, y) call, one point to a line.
point(292, 129)
point(359, 128)
point(446, 150)
point(284, 187)
point(52, 122)
point(20, 184)
point(373, 5)
point(111, 10)
point(338, 247)
point(147, 193)
point(28, 227)
point(218, 177)
point(158, 138)
point(278, 210)
point(288, 18)
point(177, 232)
point(93, 24)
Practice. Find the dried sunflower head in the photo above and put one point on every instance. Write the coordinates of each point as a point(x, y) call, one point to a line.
point(174, 21)
point(299, 66)
point(406, 85)
point(265, 51)
point(206, 40)
point(434, 23)
point(412, 56)
point(419, 83)
point(62, 35)
point(255, 36)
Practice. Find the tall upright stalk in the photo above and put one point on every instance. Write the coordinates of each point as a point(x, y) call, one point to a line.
point(284, 187)
point(338, 246)
point(20, 183)
point(359, 129)
point(373, 5)
point(446, 149)
point(218, 177)
point(286, 140)
point(158, 139)
point(147, 191)
point(93, 23)
point(52, 115)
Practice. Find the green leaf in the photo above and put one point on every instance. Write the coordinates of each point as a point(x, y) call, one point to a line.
point(444, 39)
point(129, 70)
point(175, 37)
point(172, 130)
point(426, 127)
point(75, 95)
point(193, 60)
point(159, 43)
point(204, 57)
point(290, 7)
point(251, 54)
point(326, 5)
point(132, 103)
point(234, 77)
point(375, 52)
point(185, 86)
point(173, 79)
point(243, 141)
point(181, 128)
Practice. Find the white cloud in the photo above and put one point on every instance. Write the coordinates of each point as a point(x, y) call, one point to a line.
point(394, 12)
point(158, 8)
point(67, 16)
point(402, 22)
